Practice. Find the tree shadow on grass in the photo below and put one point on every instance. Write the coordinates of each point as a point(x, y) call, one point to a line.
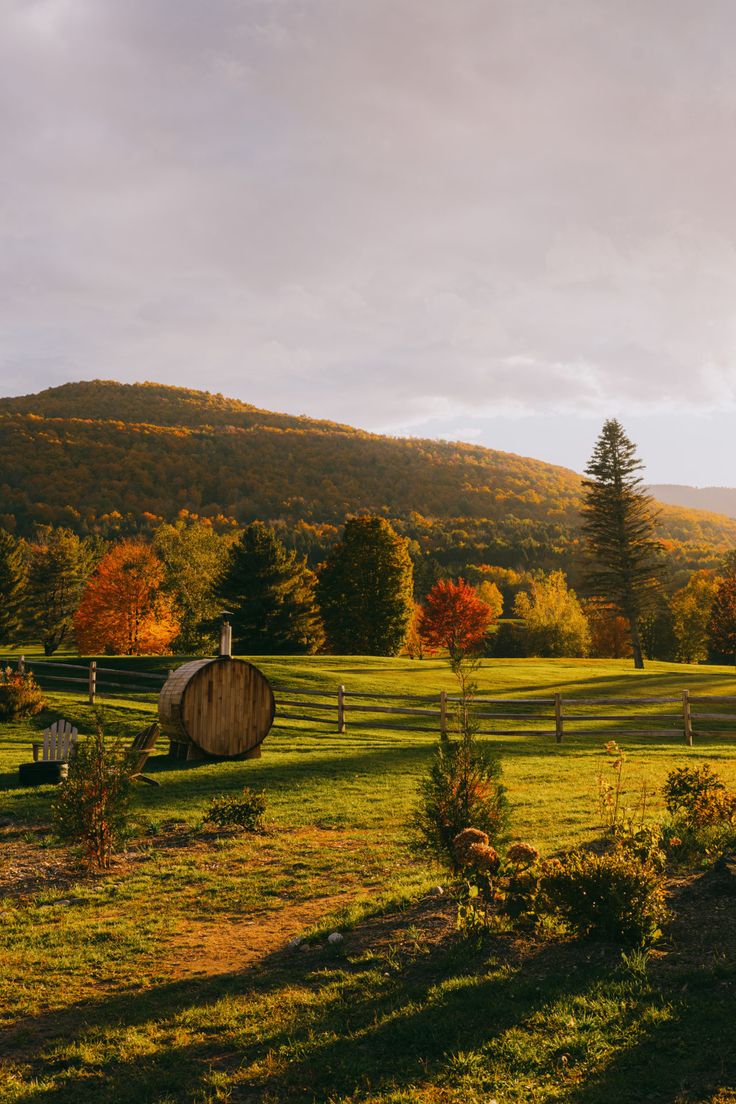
point(400, 1028)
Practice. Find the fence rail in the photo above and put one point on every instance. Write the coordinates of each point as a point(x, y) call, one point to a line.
point(337, 709)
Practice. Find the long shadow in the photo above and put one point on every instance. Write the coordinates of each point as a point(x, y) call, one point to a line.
point(401, 1033)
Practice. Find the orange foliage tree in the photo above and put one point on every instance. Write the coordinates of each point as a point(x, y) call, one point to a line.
point(454, 617)
point(123, 610)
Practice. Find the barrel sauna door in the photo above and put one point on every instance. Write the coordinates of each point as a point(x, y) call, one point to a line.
point(227, 708)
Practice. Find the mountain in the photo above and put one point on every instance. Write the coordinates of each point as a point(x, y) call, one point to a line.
point(719, 500)
point(108, 457)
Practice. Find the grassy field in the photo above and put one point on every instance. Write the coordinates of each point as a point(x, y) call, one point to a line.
point(168, 979)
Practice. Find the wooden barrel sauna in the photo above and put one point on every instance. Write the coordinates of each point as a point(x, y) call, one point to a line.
point(217, 709)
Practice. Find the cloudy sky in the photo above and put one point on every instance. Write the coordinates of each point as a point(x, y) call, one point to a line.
point(493, 220)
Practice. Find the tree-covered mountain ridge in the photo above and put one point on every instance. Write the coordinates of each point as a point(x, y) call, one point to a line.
point(85, 454)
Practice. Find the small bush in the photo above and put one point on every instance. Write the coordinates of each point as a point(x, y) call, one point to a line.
point(613, 895)
point(697, 796)
point(462, 789)
point(703, 813)
point(20, 695)
point(476, 889)
point(245, 810)
point(92, 806)
point(486, 880)
point(521, 882)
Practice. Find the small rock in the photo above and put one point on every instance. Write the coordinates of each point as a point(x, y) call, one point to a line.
point(335, 937)
point(304, 946)
point(295, 943)
point(436, 891)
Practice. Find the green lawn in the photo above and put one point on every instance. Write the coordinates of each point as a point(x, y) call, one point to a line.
point(166, 980)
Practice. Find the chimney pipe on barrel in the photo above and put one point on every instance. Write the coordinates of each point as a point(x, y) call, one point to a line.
point(226, 639)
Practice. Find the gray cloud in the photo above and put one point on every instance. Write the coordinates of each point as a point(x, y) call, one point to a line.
point(405, 214)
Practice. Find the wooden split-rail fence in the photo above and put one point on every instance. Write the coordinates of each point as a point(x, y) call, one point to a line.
point(686, 715)
point(555, 717)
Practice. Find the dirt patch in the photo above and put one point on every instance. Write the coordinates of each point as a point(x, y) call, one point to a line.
point(27, 869)
point(224, 946)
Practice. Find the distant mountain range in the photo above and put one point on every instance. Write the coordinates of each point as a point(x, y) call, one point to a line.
point(108, 457)
point(719, 500)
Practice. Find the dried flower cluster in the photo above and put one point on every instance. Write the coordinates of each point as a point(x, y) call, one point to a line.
point(522, 854)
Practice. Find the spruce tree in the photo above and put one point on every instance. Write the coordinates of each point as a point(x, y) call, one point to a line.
point(365, 590)
point(12, 582)
point(60, 566)
point(623, 558)
point(270, 594)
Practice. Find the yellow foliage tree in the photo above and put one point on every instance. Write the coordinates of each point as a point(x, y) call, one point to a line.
point(123, 610)
point(489, 593)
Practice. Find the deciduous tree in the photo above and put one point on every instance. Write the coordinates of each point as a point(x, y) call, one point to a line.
point(691, 612)
point(554, 622)
point(722, 623)
point(623, 557)
point(455, 617)
point(365, 590)
point(193, 555)
point(489, 593)
point(270, 593)
point(124, 609)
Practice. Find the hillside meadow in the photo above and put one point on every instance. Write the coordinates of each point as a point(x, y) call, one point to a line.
point(170, 978)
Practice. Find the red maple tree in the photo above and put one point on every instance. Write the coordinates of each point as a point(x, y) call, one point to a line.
point(454, 617)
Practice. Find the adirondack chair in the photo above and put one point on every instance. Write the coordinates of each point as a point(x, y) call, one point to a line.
point(50, 755)
point(139, 751)
point(58, 743)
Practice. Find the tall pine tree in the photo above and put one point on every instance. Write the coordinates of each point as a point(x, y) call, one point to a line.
point(12, 582)
point(365, 590)
point(270, 593)
point(623, 558)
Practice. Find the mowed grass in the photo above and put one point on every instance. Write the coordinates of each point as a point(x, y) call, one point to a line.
point(165, 980)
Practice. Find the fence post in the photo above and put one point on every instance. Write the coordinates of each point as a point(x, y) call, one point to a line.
point(341, 709)
point(92, 681)
point(443, 715)
point(21, 665)
point(687, 718)
point(558, 718)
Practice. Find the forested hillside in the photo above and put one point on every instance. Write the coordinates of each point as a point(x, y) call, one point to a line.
point(115, 458)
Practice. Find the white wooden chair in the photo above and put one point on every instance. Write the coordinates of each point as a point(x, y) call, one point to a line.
point(57, 744)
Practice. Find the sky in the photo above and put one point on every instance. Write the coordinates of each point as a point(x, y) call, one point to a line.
point(499, 221)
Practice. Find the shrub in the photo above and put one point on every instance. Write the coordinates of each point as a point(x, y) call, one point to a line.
point(697, 795)
point(476, 888)
point(521, 881)
point(92, 806)
point(486, 879)
point(703, 813)
point(462, 789)
point(245, 810)
point(20, 695)
point(613, 895)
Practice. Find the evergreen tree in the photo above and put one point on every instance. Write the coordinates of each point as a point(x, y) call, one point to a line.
point(270, 593)
point(618, 524)
point(12, 581)
point(60, 566)
point(365, 590)
point(722, 624)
